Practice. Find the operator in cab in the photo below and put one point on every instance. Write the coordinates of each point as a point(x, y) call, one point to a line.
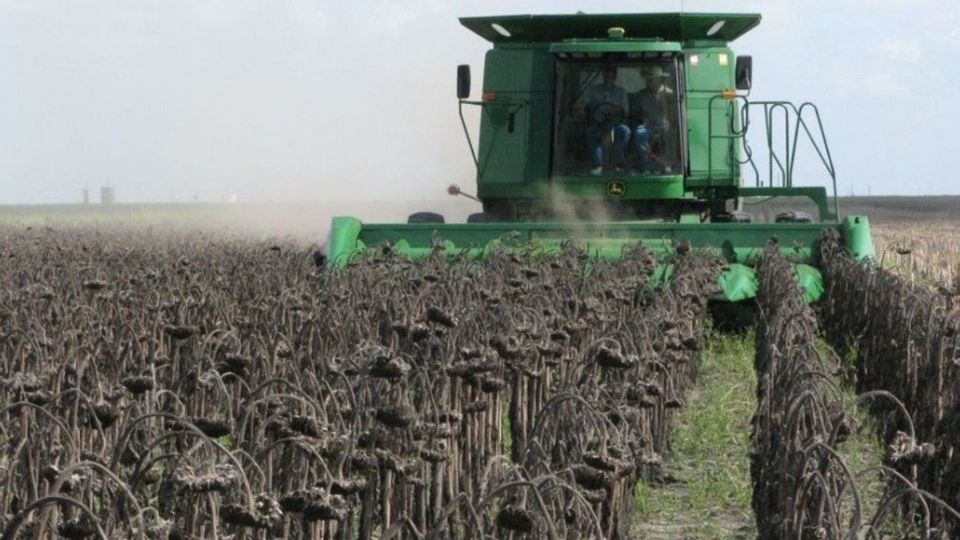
point(650, 135)
point(607, 133)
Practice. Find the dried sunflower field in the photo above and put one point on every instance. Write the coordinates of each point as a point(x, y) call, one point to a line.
point(168, 385)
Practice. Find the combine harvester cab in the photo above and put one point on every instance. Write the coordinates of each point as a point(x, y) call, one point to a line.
point(612, 130)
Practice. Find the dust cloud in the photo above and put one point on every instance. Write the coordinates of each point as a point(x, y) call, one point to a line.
point(305, 222)
point(569, 208)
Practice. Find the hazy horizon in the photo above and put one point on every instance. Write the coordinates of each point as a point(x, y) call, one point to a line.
point(314, 100)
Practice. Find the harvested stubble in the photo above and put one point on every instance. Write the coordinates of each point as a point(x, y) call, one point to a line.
point(926, 252)
point(174, 386)
point(906, 336)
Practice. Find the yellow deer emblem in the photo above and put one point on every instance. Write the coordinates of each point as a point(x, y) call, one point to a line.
point(616, 189)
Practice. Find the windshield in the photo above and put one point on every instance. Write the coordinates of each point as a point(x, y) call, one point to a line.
point(617, 116)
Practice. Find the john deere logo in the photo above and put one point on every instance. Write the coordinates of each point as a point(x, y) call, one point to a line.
point(616, 189)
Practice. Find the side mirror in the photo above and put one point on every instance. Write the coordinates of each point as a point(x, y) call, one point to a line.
point(463, 81)
point(744, 72)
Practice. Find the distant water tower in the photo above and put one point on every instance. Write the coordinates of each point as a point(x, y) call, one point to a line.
point(107, 195)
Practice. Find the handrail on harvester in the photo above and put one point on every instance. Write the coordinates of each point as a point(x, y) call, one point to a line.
point(785, 163)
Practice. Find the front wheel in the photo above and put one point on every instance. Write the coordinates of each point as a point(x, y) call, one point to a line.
point(481, 217)
point(425, 217)
point(794, 216)
point(732, 217)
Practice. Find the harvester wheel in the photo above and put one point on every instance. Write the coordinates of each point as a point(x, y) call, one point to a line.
point(425, 217)
point(794, 217)
point(481, 217)
point(733, 217)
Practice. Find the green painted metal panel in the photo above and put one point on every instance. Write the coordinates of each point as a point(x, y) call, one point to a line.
point(635, 187)
point(709, 72)
point(739, 283)
point(811, 282)
point(504, 136)
point(856, 234)
point(342, 242)
point(667, 26)
point(590, 187)
point(525, 70)
point(541, 134)
point(515, 125)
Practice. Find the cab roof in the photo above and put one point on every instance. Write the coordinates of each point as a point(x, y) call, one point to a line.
point(666, 26)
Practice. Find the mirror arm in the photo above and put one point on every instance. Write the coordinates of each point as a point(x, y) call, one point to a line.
point(466, 132)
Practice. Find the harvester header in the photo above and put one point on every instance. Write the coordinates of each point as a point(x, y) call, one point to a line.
point(616, 129)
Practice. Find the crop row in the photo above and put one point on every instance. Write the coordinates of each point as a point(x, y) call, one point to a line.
point(803, 485)
point(905, 336)
point(798, 476)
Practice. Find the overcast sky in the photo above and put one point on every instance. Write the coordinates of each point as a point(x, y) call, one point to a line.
point(324, 100)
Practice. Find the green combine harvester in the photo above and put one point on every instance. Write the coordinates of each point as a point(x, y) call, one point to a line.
point(609, 130)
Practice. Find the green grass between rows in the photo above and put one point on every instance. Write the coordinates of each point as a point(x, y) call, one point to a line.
point(709, 448)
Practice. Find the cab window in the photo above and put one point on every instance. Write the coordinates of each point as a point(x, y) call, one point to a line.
point(617, 115)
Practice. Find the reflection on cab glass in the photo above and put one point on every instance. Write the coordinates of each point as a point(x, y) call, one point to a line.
point(617, 118)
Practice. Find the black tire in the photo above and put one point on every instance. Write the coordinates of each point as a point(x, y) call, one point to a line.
point(425, 217)
point(480, 217)
point(794, 217)
point(733, 217)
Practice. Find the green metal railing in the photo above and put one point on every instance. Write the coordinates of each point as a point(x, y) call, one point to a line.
point(781, 162)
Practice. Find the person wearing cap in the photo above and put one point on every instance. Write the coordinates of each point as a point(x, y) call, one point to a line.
point(650, 112)
point(606, 109)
